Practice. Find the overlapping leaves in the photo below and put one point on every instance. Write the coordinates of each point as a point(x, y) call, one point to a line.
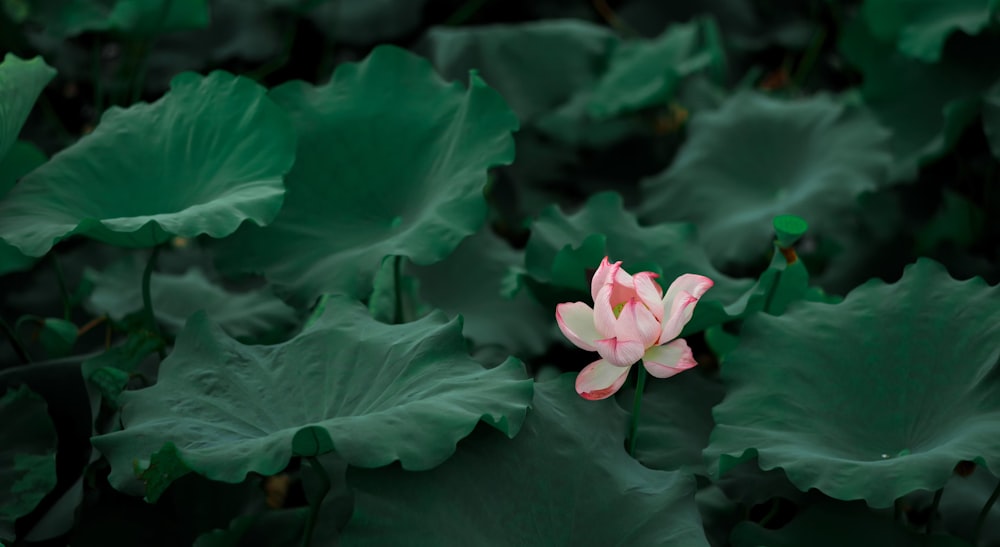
point(564, 480)
point(347, 207)
point(757, 157)
point(373, 393)
point(201, 160)
point(27, 456)
point(859, 410)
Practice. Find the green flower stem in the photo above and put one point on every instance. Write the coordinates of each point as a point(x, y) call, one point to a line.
point(633, 429)
point(314, 507)
point(934, 509)
point(147, 299)
point(984, 513)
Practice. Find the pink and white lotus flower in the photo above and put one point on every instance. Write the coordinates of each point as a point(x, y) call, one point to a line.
point(631, 320)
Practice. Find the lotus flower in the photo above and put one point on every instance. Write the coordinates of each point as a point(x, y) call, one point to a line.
point(631, 320)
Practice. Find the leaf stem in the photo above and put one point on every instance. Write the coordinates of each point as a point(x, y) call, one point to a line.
point(934, 509)
point(633, 429)
point(984, 513)
point(147, 298)
point(317, 503)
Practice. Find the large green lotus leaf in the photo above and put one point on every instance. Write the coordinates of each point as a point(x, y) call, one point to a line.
point(926, 106)
point(392, 161)
point(836, 525)
point(471, 282)
point(919, 28)
point(21, 82)
point(20, 159)
point(564, 250)
point(28, 456)
point(675, 421)
point(757, 157)
point(991, 118)
point(564, 480)
point(67, 18)
point(646, 73)
point(535, 66)
point(904, 376)
point(372, 392)
point(207, 156)
point(117, 292)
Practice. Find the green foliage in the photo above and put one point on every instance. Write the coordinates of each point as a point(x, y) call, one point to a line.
point(566, 466)
point(312, 264)
point(378, 393)
point(907, 402)
point(117, 293)
point(346, 206)
point(201, 160)
point(28, 457)
point(757, 157)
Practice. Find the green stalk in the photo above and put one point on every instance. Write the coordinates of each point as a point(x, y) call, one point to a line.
point(314, 507)
point(984, 513)
point(633, 429)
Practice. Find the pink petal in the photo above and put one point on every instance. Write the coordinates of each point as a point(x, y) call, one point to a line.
point(622, 353)
point(635, 322)
point(576, 321)
point(679, 303)
point(600, 380)
point(604, 273)
point(604, 315)
point(649, 292)
point(669, 359)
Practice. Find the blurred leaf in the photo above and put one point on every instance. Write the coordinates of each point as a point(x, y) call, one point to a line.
point(991, 118)
point(470, 283)
point(21, 158)
point(535, 66)
point(564, 480)
point(21, 82)
point(374, 393)
point(920, 28)
point(645, 73)
point(57, 337)
point(67, 18)
point(925, 106)
point(117, 292)
point(904, 403)
point(363, 22)
point(395, 294)
point(28, 456)
point(757, 157)
point(391, 161)
point(110, 371)
point(207, 156)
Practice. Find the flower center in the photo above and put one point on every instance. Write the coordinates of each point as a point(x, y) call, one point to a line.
point(618, 309)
